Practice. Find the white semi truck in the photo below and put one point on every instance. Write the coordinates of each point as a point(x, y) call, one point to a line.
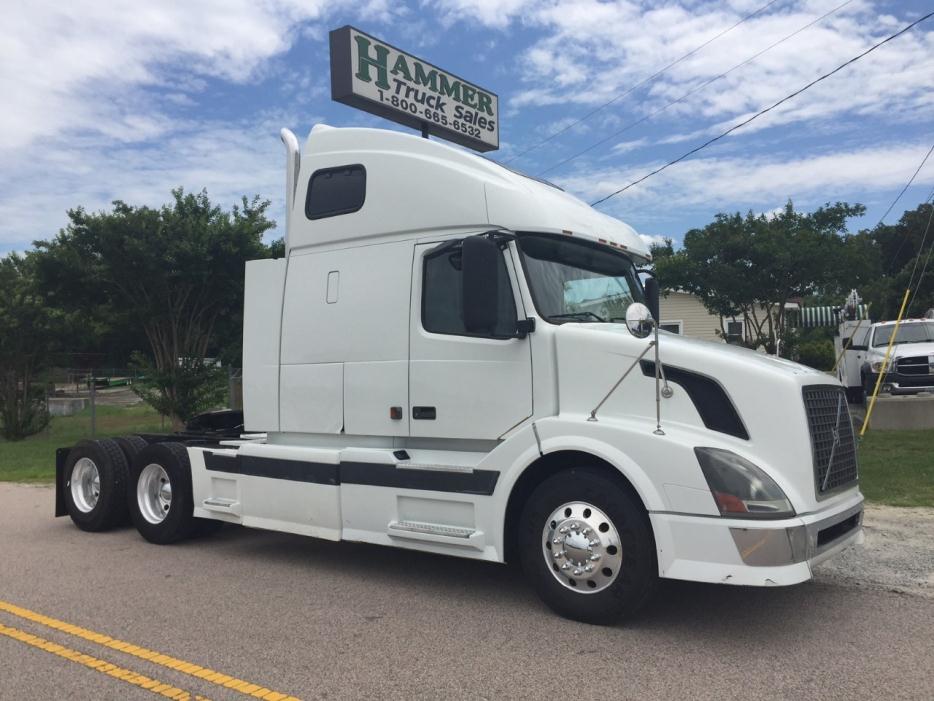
point(458, 359)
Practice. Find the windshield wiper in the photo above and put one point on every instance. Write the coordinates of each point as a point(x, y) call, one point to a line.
point(577, 316)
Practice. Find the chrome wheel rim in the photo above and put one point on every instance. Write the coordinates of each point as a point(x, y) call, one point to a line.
point(581, 547)
point(85, 485)
point(154, 493)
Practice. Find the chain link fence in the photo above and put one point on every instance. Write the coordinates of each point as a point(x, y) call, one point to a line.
point(104, 397)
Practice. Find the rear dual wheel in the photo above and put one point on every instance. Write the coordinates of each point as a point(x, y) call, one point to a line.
point(96, 474)
point(160, 500)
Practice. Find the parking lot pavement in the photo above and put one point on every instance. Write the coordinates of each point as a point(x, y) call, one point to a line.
point(281, 614)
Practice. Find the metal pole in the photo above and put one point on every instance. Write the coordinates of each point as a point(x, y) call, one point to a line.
point(593, 414)
point(658, 390)
point(885, 365)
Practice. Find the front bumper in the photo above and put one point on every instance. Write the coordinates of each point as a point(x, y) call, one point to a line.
point(895, 383)
point(757, 553)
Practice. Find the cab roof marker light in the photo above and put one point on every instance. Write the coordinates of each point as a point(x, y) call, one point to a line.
point(739, 488)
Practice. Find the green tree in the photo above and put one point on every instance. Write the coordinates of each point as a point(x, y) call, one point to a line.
point(750, 266)
point(175, 272)
point(899, 252)
point(28, 330)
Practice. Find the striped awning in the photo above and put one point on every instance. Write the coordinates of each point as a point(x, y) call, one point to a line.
point(810, 317)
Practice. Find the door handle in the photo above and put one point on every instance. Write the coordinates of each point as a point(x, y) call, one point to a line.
point(424, 412)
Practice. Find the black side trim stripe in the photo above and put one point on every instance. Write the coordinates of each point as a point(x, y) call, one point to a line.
point(383, 475)
point(292, 470)
point(481, 482)
point(710, 399)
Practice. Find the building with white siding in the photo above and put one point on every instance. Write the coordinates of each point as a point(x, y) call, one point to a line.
point(685, 314)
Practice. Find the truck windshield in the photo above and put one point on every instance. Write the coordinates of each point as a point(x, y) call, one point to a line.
point(907, 333)
point(578, 281)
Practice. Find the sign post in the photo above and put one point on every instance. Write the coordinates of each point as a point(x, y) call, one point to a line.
point(371, 75)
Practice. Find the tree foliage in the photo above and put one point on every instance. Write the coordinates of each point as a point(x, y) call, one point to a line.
point(29, 331)
point(899, 253)
point(175, 272)
point(749, 266)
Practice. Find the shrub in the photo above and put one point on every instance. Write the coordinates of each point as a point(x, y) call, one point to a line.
point(817, 354)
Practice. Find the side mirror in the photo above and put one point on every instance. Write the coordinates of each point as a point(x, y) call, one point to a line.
point(480, 261)
point(652, 298)
point(639, 320)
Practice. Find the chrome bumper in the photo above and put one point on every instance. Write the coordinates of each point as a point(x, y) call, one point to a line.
point(771, 547)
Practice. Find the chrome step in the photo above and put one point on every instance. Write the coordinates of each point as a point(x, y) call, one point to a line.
point(432, 529)
point(222, 505)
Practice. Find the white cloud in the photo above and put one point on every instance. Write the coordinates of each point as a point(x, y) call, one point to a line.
point(736, 182)
point(100, 98)
point(79, 67)
point(230, 160)
point(650, 239)
point(592, 51)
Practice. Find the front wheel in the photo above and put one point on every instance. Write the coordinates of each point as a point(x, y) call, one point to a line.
point(587, 547)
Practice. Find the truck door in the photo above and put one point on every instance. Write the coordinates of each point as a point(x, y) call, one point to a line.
point(464, 384)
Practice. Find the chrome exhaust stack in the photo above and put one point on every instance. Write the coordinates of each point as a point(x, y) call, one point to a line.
point(293, 164)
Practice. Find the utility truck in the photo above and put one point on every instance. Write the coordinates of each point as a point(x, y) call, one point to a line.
point(458, 359)
point(861, 347)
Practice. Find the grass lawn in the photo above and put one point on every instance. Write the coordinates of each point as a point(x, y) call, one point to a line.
point(33, 459)
point(896, 467)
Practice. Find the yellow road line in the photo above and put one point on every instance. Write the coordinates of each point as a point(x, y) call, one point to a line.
point(172, 663)
point(111, 670)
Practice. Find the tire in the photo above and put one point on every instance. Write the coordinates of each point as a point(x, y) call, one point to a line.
point(96, 475)
point(131, 446)
point(867, 391)
point(162, 464)
point(625, 575)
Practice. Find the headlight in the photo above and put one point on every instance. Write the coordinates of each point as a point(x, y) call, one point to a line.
point(876, 365)
point(741, 489)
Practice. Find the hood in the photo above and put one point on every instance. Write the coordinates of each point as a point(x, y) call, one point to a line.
point(766, 393)
point(906, 350)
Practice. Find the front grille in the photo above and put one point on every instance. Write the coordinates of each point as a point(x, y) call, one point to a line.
point(823, 405)
point(914, 365)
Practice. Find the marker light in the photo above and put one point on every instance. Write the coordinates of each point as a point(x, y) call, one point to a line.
point(741, 489)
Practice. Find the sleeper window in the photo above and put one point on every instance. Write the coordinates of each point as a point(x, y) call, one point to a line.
point(442, 295)
point(333, 191)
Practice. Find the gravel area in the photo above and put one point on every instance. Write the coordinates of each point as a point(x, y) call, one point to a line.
point(898, 554)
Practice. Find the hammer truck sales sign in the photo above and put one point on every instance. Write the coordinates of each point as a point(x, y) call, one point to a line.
point(371, 75)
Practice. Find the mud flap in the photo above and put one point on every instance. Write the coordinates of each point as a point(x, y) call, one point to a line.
point(61, 455)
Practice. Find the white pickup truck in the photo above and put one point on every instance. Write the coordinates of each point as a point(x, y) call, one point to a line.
point(910, 367)
point(458, 359)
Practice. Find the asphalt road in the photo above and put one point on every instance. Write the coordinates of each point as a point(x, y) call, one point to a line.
point(314, 619)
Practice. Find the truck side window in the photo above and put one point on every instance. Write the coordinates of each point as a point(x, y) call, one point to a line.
point(333, 191)
point(442, 295)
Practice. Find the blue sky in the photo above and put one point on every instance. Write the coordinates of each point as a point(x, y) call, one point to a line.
point(122, 99)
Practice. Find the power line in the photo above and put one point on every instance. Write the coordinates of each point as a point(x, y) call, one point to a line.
point(638, 85)
point(907, 185)
point(694, 90)
point(764, 111)
point(927, 259)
